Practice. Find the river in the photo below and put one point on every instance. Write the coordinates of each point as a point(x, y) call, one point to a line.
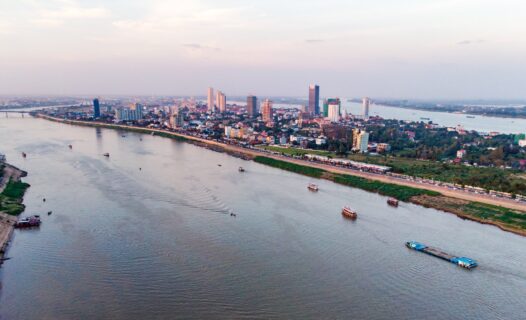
point(147, 234)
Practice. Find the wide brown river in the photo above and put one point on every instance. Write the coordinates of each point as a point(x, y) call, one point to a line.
point(147, 234)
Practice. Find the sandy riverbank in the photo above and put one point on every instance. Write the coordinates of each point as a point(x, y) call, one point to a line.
point(251, 153)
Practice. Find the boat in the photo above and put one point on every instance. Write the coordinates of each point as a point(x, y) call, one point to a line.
point(471, 117)
point(33, 221)
point(347, 212)
point(219, 165)
point(106, 154)
point(460, 261)
point(241, 169)
point(392, 202)
point(423, 118)
point(312, 187)
point(24, 154)
point(70, 146)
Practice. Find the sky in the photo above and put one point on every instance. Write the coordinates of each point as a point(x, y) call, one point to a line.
point(449, 49)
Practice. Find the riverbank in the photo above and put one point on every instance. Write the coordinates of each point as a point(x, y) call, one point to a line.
point(401, 189)
point(12, 191)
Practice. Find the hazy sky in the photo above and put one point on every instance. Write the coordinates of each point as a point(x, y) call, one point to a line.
point(378, 48)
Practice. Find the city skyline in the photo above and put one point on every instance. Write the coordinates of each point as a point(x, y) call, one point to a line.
point(388, 49)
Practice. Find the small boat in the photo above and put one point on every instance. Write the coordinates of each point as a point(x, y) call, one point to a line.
point(106, 154)
point(392, 202)
point(33, 221)
point(241, 169)
point(312, 187)
point(70, 146)
point(49, 213)
point(44, 200)
point(24, 154)
point(471, 117)
point(347, 212)
point(219, 165)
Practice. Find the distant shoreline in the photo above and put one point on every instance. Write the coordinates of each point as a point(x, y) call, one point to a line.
point(441, 110)
point(438, 202)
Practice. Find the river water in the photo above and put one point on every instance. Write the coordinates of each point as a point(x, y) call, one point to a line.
point(159, 243)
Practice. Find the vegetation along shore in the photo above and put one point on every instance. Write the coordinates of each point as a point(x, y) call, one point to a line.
point(12, 191)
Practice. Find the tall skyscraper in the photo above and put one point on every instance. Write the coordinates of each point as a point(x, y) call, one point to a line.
point(314, 99)
point(210, 100)
point(252, 106)
point(266, 110)
point(365, 106)
point(221, 101)
point(96, 108)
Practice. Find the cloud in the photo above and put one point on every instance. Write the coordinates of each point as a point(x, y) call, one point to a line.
point(314, 40)
point(69, 11)
point(197, 46)
point(467, 42)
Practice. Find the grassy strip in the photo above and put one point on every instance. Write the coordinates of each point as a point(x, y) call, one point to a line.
point(399, 192)
point(495, 213)
point(11, 197)
point(402, 193)
point(308, 171)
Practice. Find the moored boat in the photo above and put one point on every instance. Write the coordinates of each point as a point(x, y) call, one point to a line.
point(312, 187)
point(347, 212)
point(24, 154)
point(33, 221)
point(241, 169)
point(392, 202)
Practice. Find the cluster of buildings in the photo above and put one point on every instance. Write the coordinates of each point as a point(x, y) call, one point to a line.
point(255, 122)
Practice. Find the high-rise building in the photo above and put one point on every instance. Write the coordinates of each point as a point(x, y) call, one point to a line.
point(334, 112)
point(328, 102)
point(363, 141)
point(252, 106)
point(365, 106)
point(266, 110)
point(360, 140)
point(128, 114)
point(210, 100)
point(96, 108)
point(221, 101)
point(177, 119)
point(314, 99)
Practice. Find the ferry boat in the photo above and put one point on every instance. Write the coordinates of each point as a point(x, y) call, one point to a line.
point(460, 261)
point(241, 169)
point(33, 221)
point(347, 212)
point(392, 202)
point(106, 154)
point(312, 187)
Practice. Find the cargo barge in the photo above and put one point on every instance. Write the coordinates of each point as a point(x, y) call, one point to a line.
point(460, 261)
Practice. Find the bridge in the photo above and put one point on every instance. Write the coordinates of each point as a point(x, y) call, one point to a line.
point(7, 112)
